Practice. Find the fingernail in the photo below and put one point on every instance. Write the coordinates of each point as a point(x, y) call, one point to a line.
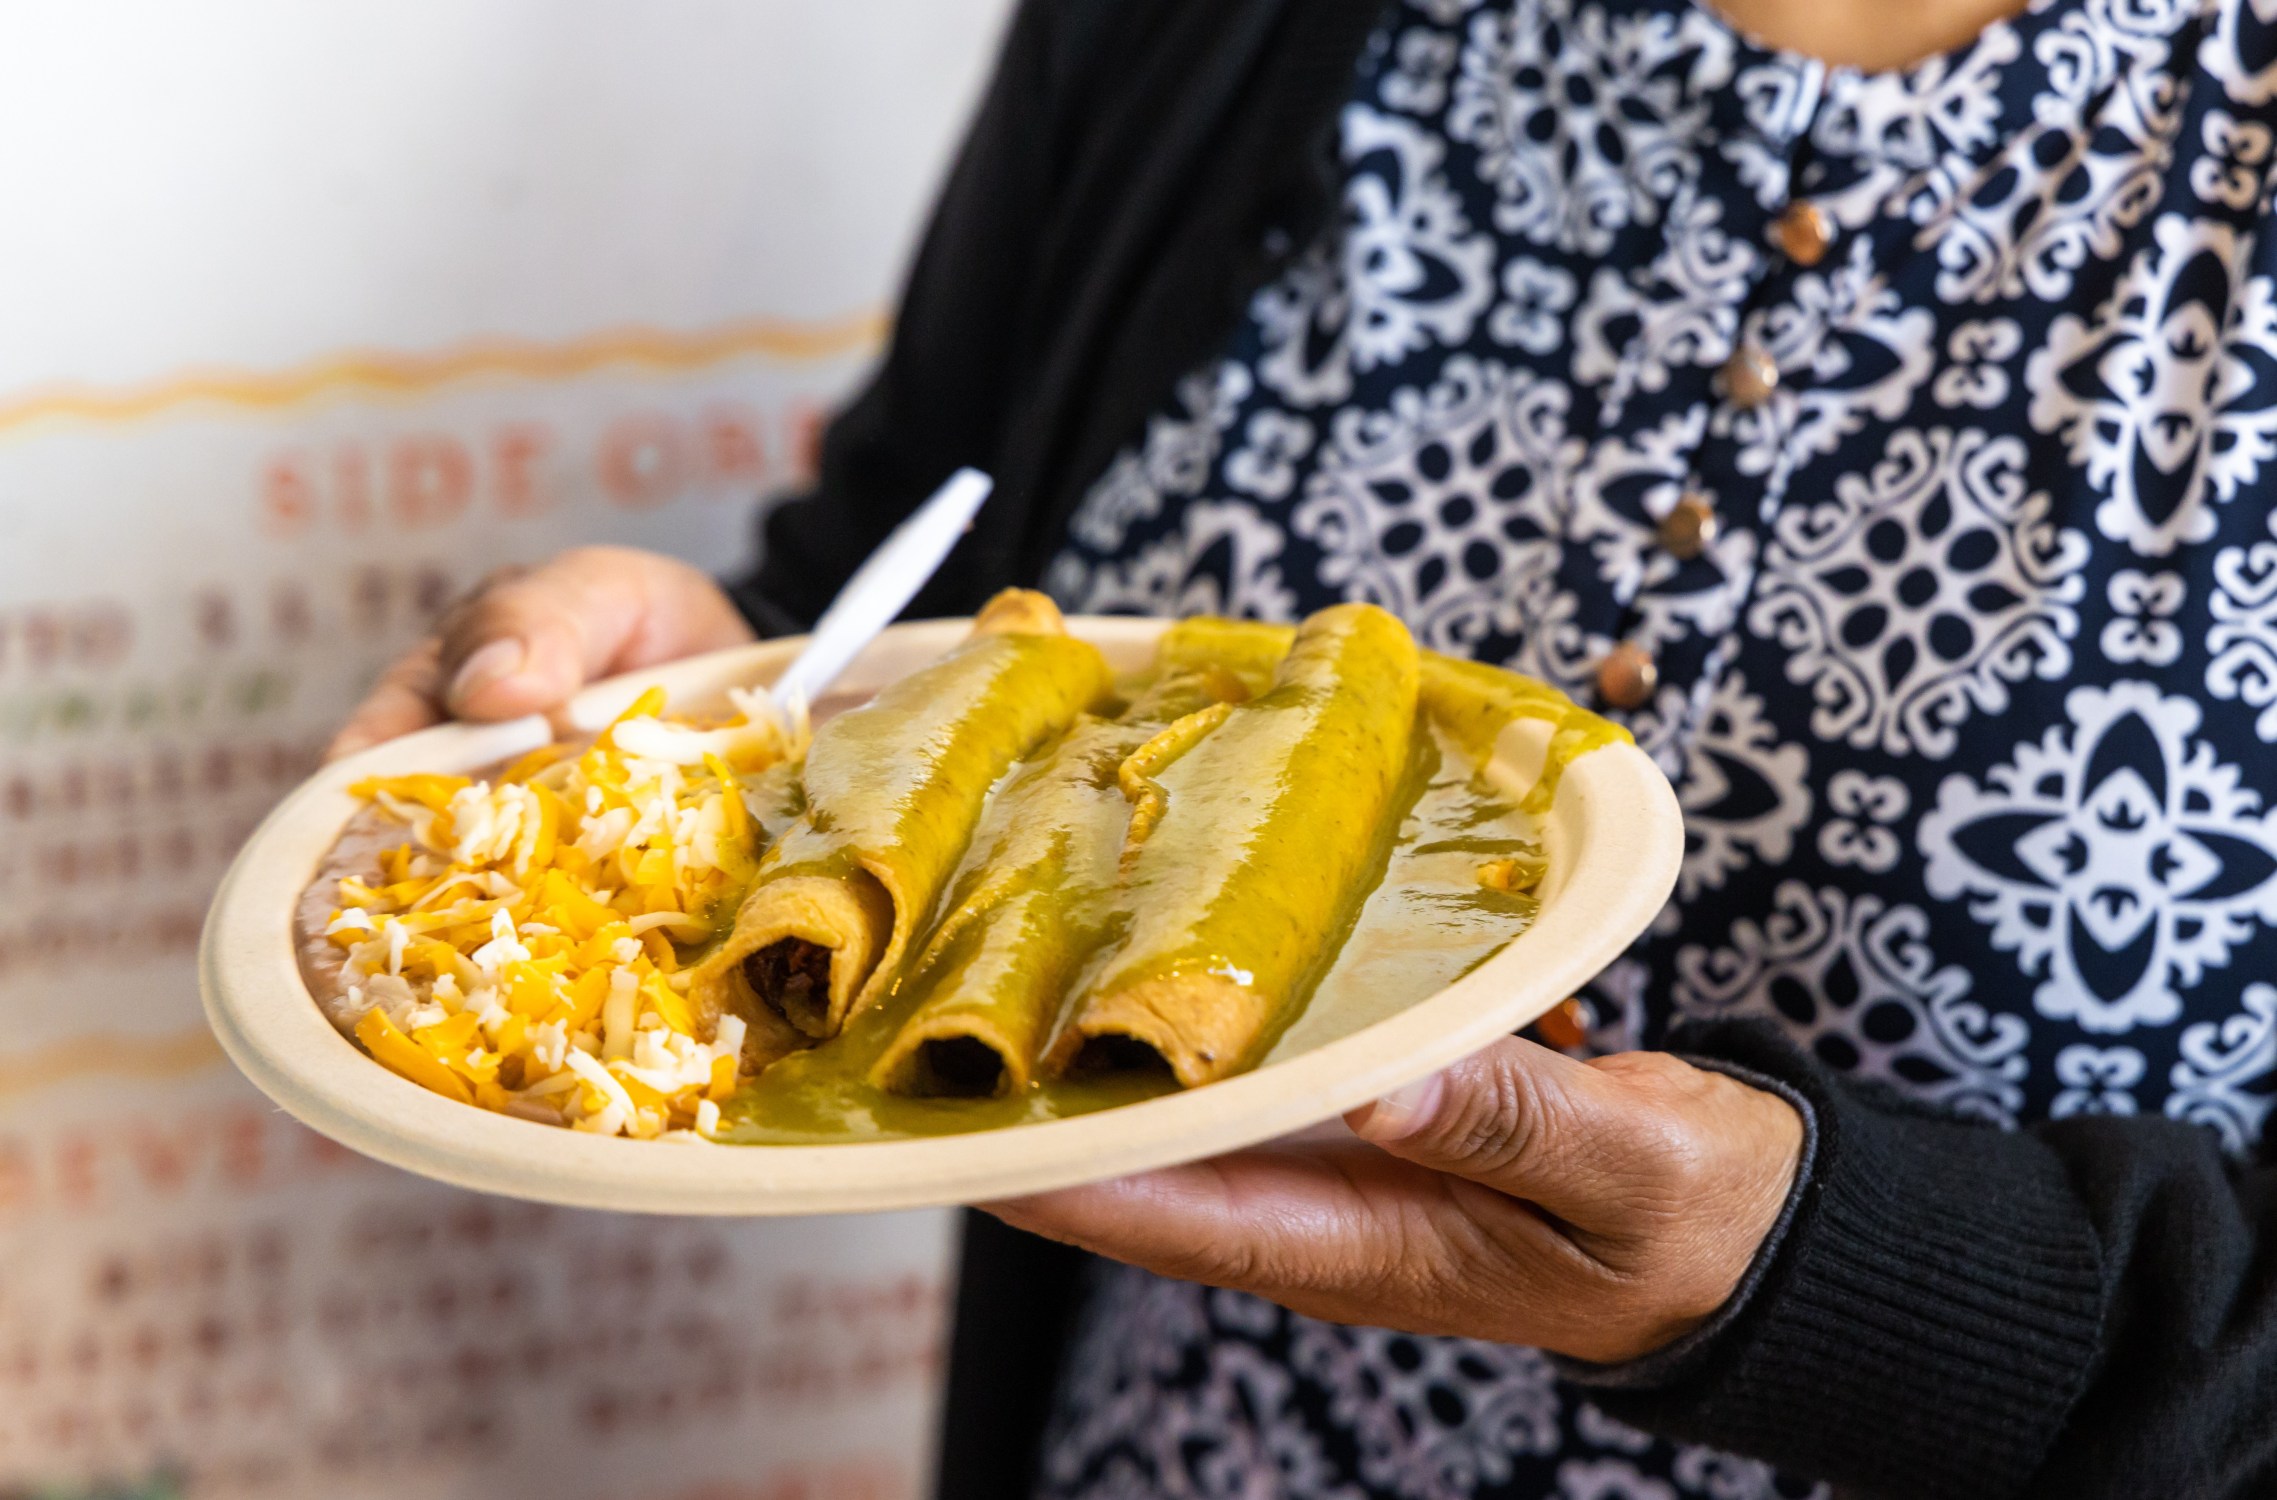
point(493, 663)
point(1402, 1112)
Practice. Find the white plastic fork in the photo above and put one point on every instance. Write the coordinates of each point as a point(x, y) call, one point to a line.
point(879, 590)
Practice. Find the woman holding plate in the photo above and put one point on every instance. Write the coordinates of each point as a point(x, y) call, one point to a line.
point(1872, 405)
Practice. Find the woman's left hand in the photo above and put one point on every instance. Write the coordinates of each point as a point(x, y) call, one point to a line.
point(1596, 1209)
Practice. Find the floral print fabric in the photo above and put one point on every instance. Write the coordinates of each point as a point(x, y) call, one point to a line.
point(1970, 699)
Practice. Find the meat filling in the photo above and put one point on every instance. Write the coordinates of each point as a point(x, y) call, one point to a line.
point(792, 978)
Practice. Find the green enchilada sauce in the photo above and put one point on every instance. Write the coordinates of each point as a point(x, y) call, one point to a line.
point(899, 782)
point(1471, 702)
point(1427, 922)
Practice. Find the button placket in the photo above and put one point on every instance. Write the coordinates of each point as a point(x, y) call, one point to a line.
point(1803, 233)
point(1627, 676)
point(1632, 671)
point(1750, 376)
point(1689, 527)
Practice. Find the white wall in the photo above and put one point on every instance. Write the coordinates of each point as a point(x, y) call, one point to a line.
point(309, 316)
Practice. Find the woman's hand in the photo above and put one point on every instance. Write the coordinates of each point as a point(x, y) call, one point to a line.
point(527, 639)
point(1597, 1209)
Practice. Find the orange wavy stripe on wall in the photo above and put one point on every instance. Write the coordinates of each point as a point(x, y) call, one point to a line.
point(107, 1055)
point(410, 373)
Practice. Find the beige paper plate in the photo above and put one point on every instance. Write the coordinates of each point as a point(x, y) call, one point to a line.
point(1614, 840)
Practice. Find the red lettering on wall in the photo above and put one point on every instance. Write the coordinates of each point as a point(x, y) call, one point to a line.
point(733, 451)
point(291, 613)
point(516, 452)
point(221, 1149)
point(430, 481)
point(288, 497)
point(75, 1180)
point(806, 422)
point(15, 1176)
point(517, 469)
point(161, 1158)
point(244, 1149)
point(217, 619)
point(644, 460)
point(53, 637)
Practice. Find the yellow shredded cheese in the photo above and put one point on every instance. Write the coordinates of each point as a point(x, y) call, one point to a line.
point(520, 952)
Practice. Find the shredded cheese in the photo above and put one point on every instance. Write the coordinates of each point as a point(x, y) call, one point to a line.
point(522, 952)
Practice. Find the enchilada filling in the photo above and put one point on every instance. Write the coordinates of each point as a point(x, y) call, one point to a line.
point(792, 978)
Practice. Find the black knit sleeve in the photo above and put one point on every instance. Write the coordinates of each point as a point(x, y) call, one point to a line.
point(907, 429)
point(2085, 1308)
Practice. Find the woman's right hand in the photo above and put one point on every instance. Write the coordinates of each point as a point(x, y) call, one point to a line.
point(527, 638)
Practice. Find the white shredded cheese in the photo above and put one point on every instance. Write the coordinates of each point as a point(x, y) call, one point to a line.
point(503, 948)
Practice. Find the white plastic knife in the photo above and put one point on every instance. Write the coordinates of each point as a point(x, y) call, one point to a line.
point(880, 589)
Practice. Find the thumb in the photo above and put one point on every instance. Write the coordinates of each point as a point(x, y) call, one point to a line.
point(528, 641)
point(1516, 1117)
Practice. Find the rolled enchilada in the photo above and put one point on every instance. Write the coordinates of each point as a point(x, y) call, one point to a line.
point(1252, 649)
point(1031, 903)
point(1267, 827)
point(1470, 700)
point(893, 791)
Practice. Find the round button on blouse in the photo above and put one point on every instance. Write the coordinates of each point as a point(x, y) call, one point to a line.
point(1803, 232)
point(1689, 527)
point(1565, 1024)
point(1750, 376)
point(1626, 676)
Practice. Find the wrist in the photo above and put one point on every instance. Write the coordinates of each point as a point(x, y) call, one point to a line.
point(1921, 1254)
point(1744, 1242)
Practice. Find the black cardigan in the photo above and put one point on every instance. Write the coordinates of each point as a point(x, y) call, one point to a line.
point(1135, 172)
point(2084, 1308)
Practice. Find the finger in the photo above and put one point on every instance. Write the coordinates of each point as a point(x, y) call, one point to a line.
point(1344, 1232)
point(1519, 1118)
point(405, 698)
point(1264, 1220)
point(526, 643)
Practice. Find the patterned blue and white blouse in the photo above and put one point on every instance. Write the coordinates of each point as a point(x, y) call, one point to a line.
point(1913, 434)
